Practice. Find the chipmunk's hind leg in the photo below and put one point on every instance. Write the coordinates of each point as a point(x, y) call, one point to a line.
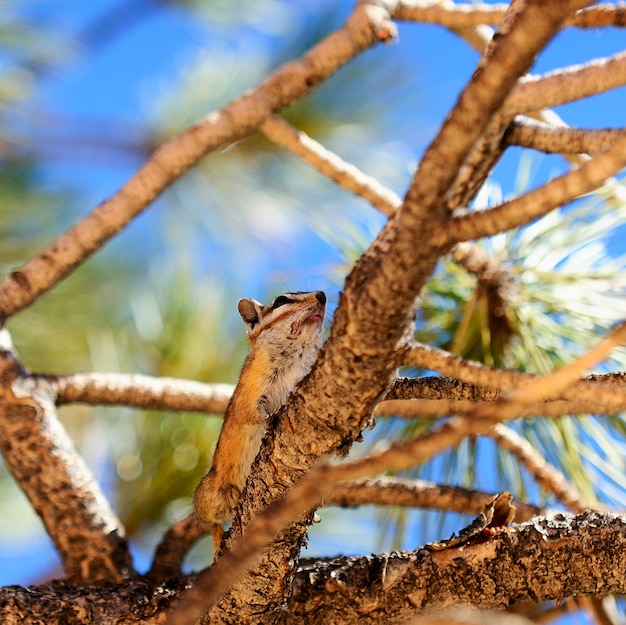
point(217, 531)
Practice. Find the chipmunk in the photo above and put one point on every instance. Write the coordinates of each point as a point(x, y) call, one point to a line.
point(284, 338)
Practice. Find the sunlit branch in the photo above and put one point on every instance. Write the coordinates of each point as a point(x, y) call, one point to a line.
point(329, 164)
point(568, 84)
point(466, 382)
point(395, 491)
point(537, 135)
point(352, 179)
point(140, 391)
point(420, 408)
point(459, 15)
point(364, 27)
point(548, 476)
point(520, 211)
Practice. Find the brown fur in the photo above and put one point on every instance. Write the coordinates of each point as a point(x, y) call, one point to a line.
point(284, 341)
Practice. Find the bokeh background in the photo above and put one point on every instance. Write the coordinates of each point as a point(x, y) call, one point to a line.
point(89, 89)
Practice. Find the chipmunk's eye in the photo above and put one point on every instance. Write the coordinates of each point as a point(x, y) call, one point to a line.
point(281, 300)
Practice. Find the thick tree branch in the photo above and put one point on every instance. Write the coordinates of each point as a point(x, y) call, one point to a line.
point(375, 312)
point(40, 455)
point(236, 120)
point(542, 560)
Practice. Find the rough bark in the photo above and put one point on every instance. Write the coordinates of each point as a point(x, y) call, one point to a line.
point(375, 311)
point(538, 561)
point(544, 559)
point(42, 458)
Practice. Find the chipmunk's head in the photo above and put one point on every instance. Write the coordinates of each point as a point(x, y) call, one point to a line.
point(289, 315)
point(284, 337)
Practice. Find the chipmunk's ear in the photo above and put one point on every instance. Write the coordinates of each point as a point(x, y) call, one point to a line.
point(250, 311)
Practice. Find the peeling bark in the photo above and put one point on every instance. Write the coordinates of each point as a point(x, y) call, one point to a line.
point(541, 560)
point(544, 559)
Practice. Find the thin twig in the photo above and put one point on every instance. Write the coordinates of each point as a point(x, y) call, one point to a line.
point(538, 202)
point(568, 84)
point(395, 491)
point(139, 391)
point(544, 473)
point(537, 135)
point(345, 174)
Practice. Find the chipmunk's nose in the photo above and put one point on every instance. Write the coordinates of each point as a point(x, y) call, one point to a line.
point(321, 297)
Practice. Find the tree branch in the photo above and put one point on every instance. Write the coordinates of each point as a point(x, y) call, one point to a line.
point(40, 455)
point(544, 473)
point(534, 93)
point(537, 135)
point(458, 15)
point(468, 384)
point(346, 175)
point(414, 408)
point(372, 319)
point(542, 560)
point(174, 545)
point(236, 120)
point(395, 491)
point(604, 392)
point(139, 391)
point(538, 202)
point(382, 491)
